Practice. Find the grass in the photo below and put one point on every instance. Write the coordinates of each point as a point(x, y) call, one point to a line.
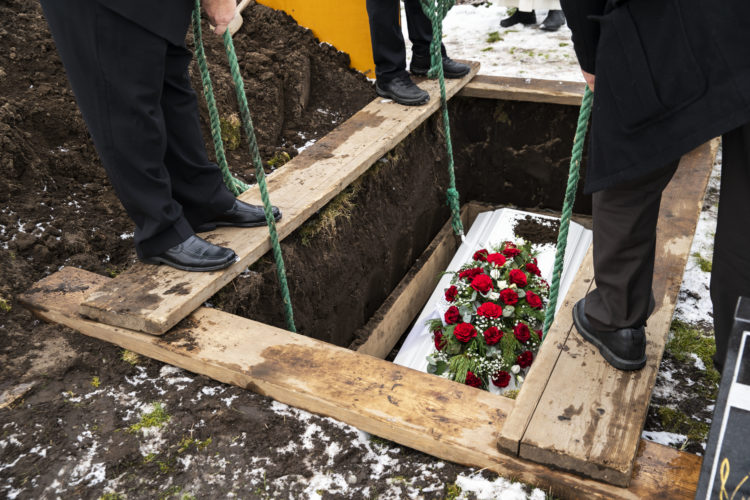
point(187, 442)
point(685, 340)
point(452, 491)
point(487, 49)
point(95, 382)
point(703, 263)
point(155, 418)
point(325, 223)
point(494, 37)
point(130, 357)
point(676, 421)
point(4, 305)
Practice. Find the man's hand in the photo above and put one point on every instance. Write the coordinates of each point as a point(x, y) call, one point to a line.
point(589, 79)
point(220, 13)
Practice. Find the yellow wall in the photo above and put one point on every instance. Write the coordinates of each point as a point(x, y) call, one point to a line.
point(342, 23)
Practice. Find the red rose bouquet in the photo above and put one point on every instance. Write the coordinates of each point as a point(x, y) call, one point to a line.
point(490, 332)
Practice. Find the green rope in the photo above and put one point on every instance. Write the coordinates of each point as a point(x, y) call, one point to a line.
point(235, 185)
point(260, 175)
point(570, 195)
point(436, 10)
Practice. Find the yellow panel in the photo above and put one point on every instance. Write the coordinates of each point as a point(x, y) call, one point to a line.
point(342, 23)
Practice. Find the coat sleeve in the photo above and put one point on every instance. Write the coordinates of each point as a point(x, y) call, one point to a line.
point(585, 30)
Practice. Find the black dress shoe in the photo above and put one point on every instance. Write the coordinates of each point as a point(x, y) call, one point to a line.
point(554, 21)
point(519, 16)
point(451, 69)
point(240, 215)
point(195, 254)
point(625, 349)
point(402, 90)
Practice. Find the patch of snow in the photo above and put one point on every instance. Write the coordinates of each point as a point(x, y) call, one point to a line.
point(497, 489)
point(663, 437)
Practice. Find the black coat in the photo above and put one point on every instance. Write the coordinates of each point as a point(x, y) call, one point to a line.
point(166, 18)
point(670, 75)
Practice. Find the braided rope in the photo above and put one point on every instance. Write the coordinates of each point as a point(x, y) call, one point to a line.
point(235, 185)
point(567, 211)
point(247, 124)
point(436, 10)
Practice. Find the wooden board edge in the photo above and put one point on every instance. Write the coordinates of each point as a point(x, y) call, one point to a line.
point(524, 89)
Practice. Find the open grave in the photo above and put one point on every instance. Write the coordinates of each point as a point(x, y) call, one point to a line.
point(365, 236)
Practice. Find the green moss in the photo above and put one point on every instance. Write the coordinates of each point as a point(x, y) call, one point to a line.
point(231, 129)
point(703, 263)
point(494, 37)
point(452, 491)
point(130, 357)
point(685, 340)
point(149, 458)
point(279, 159)
point(4, 305)
point(675, 421)
point(511, 394)
point(325, 223)
point(113, 271)
point(155, 418)
point(187, 442)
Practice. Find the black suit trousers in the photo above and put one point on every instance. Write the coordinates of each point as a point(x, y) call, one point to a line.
point(388, 48)
point(134, 92)
point(625, 244)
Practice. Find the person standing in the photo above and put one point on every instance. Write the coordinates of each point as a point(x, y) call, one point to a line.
point(526, 14)
point(389, 51)
point(667, 77)
point(127, 63)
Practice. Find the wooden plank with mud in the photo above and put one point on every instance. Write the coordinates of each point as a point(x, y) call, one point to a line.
point(431, 414)
point(524, 89)
point(152, 298)
point(590, 416)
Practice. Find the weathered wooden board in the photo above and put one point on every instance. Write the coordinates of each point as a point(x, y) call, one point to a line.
point(431, 414)
point(509, 437)
point(590, 416)
point(524, 89)
point(152, 299)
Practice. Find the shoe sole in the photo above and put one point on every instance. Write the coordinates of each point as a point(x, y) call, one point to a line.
point(612, 358)
point(451, 76)
point(159, 260)
point(388, 95)
point(204, 228)
point(549, 28)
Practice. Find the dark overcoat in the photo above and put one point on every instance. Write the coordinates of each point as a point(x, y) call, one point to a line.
point(670, 75)
point(166, 18)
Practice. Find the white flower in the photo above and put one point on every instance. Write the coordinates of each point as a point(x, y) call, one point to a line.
point(502, 284)
point(513, 286)
point(515, 369)
point(520, 242)
point(493, 295)
point(495, 273)
point(520, 379)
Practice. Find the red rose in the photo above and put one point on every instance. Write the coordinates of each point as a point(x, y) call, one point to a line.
point(437, 336)
point(508, 296)
point(533, 269)
point(492, 335)
point(501, 379)
point(469, 274)
point(482, 283)
point(480, 255)
point(490, 310)
point(521, 331)
point(473, 380)
point(534, 300)
point(496, 258)
point(464, 332)
point(518, 277)
point(452, 315)
point(450, 293)
point(524, 359)
point(510, 250)
point(538, 334)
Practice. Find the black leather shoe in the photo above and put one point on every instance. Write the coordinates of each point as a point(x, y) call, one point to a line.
point(519, 16)
point(554, 21)
point(240, 215)
point(451, 69)
point(195, 254)
point(625, 349)
point(402, 90)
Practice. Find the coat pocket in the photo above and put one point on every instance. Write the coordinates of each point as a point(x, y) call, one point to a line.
point(645, 57)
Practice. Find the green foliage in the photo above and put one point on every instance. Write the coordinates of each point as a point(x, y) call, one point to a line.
point(563, 44)
point(4, 305)
point(95, 382)
point(675, 421)
point(279, 159)
point(494, 37)
point(703, 263)
point(487, 49)
point(685, 340)
point(187, 442)
point(231, 130)
point(452, 491)
point(157, 417)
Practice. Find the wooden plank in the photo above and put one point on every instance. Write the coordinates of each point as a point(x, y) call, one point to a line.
point(590, 416)
point(398, 311)
point(431, 414)
point(152, 299)
point(524, 89)
point(509, 438)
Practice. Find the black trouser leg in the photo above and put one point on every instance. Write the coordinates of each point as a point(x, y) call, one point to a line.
point(197, 184)
point(624, 250)
point(730, 276)
point(388, 49)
